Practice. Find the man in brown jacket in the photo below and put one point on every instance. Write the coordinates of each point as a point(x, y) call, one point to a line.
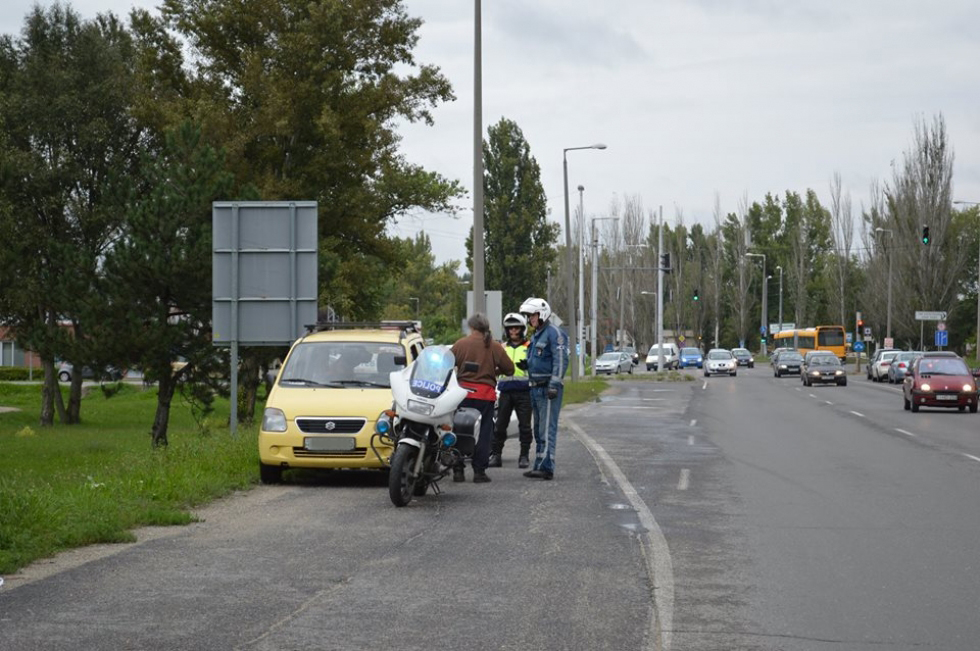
point(492, 359)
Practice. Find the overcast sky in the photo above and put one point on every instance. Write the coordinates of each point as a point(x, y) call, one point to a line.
point(692, 97)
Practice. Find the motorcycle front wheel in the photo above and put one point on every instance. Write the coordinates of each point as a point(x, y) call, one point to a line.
point(401, 479)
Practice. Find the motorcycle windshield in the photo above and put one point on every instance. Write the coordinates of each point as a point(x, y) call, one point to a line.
point(431, 371)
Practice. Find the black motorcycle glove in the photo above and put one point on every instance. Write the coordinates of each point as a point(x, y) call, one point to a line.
point(552, 392)
point(521, 364)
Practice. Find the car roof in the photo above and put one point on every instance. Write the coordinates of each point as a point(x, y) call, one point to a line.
point(382, 335)
point(940, 353)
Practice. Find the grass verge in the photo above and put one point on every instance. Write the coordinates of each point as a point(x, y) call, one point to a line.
point(68, 486)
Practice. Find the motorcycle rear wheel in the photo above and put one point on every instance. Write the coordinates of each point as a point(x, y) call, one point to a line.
point(401, 479)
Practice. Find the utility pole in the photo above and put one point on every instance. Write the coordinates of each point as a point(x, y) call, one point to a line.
point(660, 290)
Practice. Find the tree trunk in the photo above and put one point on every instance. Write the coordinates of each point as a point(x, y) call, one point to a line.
point(165, 394)
point(250, 387)
point(72, 415)
point(48, 392)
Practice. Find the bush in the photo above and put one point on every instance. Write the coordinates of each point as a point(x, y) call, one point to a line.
point(18, 373)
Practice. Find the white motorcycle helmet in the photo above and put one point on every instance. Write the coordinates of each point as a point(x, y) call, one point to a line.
point(513, 319)
point(536, 305)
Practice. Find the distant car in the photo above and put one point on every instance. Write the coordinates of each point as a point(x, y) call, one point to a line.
point(874, 358)
point(109, 373)
point(743, 357)
point(690, 357)
point(824, 369)
point(669, 352)
point(609, 363)
point(720, 361)
point(629, 350)
point(937, 380)
point(900, 366)
point(879, 368)
point(788, 362)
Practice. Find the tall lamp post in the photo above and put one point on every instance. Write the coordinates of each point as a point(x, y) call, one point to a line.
point(595, 289)
point(569, 275)
point(581, 277)
point(413, 298)
point(780, 267)
point(888, 321)
point(479, 251)
point(976, 352)
point(762, 327)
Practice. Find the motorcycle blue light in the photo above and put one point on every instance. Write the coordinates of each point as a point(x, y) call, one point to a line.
point(448, 439)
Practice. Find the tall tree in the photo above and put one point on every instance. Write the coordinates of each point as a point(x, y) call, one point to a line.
point(304, 96)
point(67, 89)
point(518, 239)
point(157, 283)
point(842, 234)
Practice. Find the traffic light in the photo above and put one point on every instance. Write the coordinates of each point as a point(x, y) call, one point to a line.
point(665, 263)
point(697, 295)
point(860, 323)
point(925, 234)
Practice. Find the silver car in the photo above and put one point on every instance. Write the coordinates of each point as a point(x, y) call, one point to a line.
point(720, 361)
point(609, 363)
point(901, 364)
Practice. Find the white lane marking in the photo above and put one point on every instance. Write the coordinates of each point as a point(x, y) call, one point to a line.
point(656, 553)
point(704, 387)
point(812, 396)
point(799, 389)
point(827, 402)
point(629, 407)
point(858, 414)
point(970, 456)
point(694, 422)
point(690, 440)
point(902, 431)
point(685, 479)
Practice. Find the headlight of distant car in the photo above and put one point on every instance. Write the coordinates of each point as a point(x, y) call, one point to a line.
point(273, 420)
point(968, 388)
point(838, 372)
point(814, 372)
point(783, 366)
point(420, 407)
point(925, 387)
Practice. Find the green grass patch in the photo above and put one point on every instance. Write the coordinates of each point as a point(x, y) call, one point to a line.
point(66, 486)
point(585, 390)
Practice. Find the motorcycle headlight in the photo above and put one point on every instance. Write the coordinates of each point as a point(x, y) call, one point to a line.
point(383, 425)
point(273, 420)
point(420, 407)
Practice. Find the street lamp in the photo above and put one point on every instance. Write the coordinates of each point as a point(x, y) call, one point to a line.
point(595, 288)
point(891, 235)
point(569, 276)
point(581, 275)
point(413, 298)
point(780, 267)
point(762, 329)
point(479, 251)
point(976, 351)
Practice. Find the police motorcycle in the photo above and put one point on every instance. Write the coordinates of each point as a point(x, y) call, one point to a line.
point(428, 430)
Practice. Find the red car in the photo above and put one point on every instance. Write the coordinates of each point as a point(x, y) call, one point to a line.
point(940, 380)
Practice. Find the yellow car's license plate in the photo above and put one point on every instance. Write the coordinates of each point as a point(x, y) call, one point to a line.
point(329, 443)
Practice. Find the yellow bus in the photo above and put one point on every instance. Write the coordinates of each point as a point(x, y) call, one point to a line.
point(824, 337)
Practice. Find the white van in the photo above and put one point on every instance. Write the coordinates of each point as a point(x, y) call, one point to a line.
point(671, 356)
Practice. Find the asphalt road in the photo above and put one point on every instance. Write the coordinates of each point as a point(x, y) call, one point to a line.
point(721, 513)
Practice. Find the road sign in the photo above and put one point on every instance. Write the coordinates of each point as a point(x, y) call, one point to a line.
point(858, 347)
point(867, 331)
point(762, 329)
point(942, 338)
point(889, 342)
point(941, 326)
point(930, 316)
point(681, 338)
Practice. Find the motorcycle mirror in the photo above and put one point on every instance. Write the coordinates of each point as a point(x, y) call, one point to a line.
point(401, 360)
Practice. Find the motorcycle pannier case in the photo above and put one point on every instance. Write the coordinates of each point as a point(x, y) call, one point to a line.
point(466, 423)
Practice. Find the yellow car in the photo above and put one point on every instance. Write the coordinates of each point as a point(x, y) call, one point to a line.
point(328, 394)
